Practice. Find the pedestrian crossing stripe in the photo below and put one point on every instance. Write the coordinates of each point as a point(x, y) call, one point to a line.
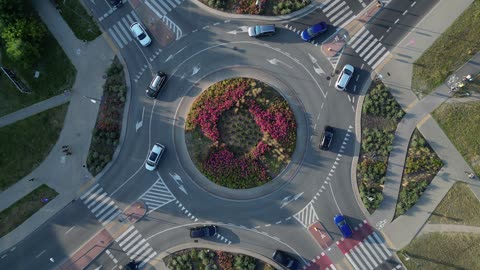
point(135, 246)
point(336, 11)
point(157, 195)
point(307, 215)
point(369, 253)
point(100, 204)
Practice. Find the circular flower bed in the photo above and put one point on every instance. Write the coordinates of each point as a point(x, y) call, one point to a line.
point(240, 133)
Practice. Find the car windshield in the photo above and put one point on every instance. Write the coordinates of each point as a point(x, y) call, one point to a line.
point(311, 31)
point(141, 36)
point(348, 72)
point(257, 29)
point(342, 223)
point(152, 157)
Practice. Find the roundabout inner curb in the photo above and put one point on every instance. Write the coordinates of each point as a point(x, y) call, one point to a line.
point(281, 179)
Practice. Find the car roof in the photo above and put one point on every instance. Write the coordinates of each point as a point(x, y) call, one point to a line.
point(136, 28)
point(318, 27)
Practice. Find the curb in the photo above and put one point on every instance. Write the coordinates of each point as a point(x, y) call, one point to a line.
point(299, 13)
point(358, 136)
point(119, 147)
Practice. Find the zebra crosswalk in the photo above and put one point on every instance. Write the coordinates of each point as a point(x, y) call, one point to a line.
point(307, 215)
point(365, 250)
point(369, 48)
point(337, 11)
point(135, 246)
point(100, 204)
point(162, 7)
point(120, 31)
point(369, 253)
point(157, 196)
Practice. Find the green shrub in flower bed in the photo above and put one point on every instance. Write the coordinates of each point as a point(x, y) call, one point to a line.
point(380, 116)
point(109, 120)
point(240, 133)
point(203, 259)
point(421, 166)
point(268, 7)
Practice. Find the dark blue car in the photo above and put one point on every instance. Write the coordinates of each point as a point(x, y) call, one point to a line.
point(314, 30)
point(342, 224)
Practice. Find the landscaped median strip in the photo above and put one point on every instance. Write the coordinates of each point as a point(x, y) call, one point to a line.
point(24, 208)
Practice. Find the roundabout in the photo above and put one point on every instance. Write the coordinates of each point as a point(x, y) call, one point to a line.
point(241, 133)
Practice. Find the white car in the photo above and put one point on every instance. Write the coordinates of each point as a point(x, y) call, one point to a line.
point(344, 77)
point(154, 156)
point(140, 34)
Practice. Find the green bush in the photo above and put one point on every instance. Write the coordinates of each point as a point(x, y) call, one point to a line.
point(380, 102)
point(243, 262)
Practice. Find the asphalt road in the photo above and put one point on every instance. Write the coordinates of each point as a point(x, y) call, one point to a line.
point(316, 186)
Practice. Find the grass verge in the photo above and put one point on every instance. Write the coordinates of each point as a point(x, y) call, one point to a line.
point(459, 206)
point(57, 74)
point(81, 23)
point(421, 166)
point(442, 251)
point(380, 116)
point(24, 208)
point(109, 120)
point(451, 50)
point(459, 120)
point(29, 141)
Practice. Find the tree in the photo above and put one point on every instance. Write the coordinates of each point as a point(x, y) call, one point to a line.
point(21, 31)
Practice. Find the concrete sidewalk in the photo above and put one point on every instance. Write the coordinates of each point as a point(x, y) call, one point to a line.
point(401, 231)
point(66, 174)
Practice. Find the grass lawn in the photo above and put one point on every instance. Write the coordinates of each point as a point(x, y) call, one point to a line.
point(459, 206)
point(443, 251)
point(24, 208)
point(29, 142)
point(460, 121)
point(56, 75)
point(451, 50)
point(81, 23)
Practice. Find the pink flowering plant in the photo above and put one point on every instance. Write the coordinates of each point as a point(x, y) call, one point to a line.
point(227, 121)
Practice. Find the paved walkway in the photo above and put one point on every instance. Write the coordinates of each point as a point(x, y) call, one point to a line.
point(65, 174)
point(403, 229)
point(34, 109)
point(429, 228)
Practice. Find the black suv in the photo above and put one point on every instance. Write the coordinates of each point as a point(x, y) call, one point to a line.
point(327, 138)
point(204, 231)
point(286, 260)
point(156, 84)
